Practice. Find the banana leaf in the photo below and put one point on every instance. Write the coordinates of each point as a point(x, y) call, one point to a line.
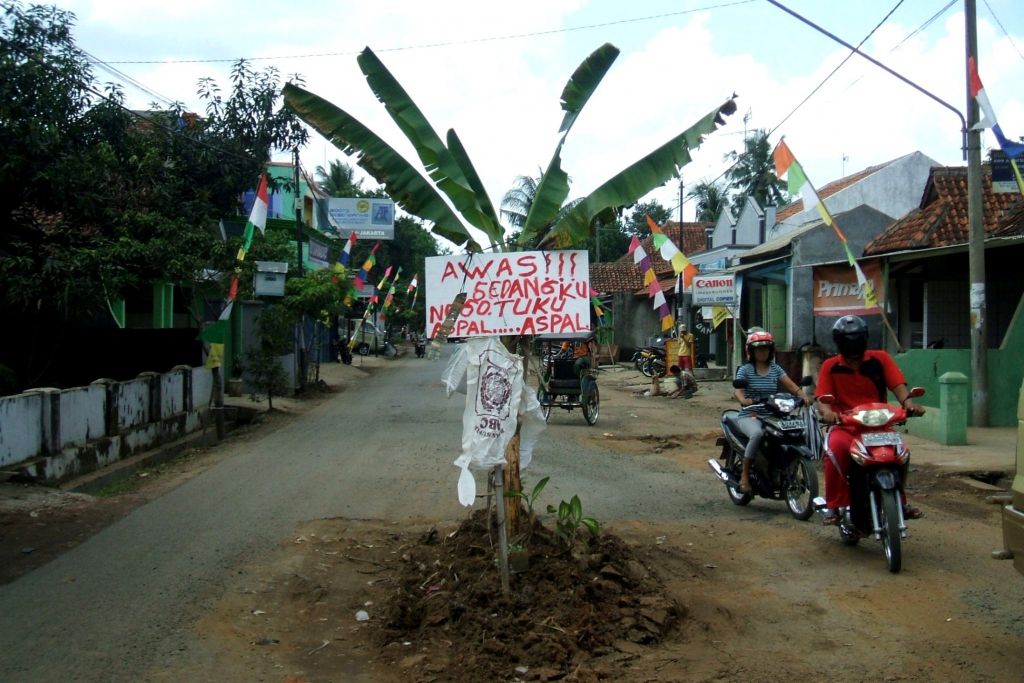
point(438, 161)
point(462, 159)
point(636, 180)
point(403, 182)
point(554, 183)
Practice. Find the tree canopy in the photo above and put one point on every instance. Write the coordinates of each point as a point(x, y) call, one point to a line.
point(102, 199)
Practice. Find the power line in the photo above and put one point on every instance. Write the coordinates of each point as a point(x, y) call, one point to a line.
point(809, 95)
point(117, 73)
point(451, 43)
point(1005, 32)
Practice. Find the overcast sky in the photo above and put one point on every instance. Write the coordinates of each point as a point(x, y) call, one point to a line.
point(494, 73)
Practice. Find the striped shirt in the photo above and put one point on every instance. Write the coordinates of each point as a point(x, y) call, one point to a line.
point(760, 386)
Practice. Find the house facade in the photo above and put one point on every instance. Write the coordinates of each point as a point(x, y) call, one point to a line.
point(925, 256)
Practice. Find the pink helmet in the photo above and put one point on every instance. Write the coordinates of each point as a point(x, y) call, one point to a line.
point(759, 338)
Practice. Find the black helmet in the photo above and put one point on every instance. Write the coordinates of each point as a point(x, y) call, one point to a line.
point(850, 334)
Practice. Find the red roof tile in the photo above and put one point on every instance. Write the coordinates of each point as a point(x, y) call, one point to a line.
point(941, 220)
point(793, 208)
point(616, 276)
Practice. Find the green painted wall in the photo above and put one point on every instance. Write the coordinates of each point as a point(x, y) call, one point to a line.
point(923, 367)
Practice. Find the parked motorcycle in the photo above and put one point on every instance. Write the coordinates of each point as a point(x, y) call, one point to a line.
point(879, 460)
point(783, 468)
point(651, 360)
point(421, 347)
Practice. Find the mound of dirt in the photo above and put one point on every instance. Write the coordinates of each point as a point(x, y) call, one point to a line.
point(583, 612)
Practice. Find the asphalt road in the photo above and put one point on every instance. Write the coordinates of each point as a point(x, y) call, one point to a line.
point(121, 604)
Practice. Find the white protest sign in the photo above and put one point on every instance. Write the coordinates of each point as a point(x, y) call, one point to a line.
point(529, 292)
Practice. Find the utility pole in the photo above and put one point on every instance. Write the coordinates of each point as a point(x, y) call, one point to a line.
point(976, 241)
point(681, 201)
point(298, 207)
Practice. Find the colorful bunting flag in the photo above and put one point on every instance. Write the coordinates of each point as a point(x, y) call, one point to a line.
point(651, 283)
point(671, 253)
point(786, 165)
point(257, 217)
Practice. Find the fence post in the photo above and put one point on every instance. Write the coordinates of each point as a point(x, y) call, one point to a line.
point(111, 414)
point(153, 379)
point(50, 407)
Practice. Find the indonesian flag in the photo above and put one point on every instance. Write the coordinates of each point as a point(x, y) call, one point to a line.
point(413, 283)
point(988, 115)
point(257, 217)
point(346, 254)
point(787, 165)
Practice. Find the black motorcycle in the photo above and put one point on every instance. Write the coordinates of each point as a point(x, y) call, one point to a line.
point(421, 347)
point(783, 468)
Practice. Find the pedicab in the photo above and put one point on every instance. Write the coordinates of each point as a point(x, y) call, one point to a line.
point(568, 378)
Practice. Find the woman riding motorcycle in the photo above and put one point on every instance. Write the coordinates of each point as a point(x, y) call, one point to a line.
point(764, 377)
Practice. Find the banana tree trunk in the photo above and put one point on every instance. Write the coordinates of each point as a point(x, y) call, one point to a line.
point(513, 480)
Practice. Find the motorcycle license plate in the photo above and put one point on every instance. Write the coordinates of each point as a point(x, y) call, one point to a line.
point(881, 439)
point(791, 424)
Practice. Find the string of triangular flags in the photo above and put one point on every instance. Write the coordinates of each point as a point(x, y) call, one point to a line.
point(797, 182)
point(641, 258)
point(988, 120)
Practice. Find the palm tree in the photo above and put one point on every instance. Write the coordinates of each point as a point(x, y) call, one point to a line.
point(753, 173)
point(339, 180)
point(517, 203)
point(711, 199)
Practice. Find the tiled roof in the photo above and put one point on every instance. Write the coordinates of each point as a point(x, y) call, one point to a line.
point(941, 220)
point(691, 238)
point(793, 208)
point(616, 276)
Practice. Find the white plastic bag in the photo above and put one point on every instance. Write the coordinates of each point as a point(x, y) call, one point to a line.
point(494, 388)
point(454, 375)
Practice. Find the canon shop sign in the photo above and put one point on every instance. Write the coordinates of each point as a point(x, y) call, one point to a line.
point(709, 290)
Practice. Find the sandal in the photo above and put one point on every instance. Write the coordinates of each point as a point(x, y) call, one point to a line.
point(911, 512)
point(744, 487)
point(830, 518)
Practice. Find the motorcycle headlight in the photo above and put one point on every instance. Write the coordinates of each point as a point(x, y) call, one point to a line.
point(785, 405)
point(875, 417)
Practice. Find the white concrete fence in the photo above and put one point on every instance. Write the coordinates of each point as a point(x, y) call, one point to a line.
point(51, 435)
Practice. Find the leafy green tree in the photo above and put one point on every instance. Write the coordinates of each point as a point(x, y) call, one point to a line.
point(753, 173)
point(103, 201)
point(636, 224)
point(275, 332)
point(711, 199)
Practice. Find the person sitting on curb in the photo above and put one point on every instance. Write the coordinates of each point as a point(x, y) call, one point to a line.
point(685, 386)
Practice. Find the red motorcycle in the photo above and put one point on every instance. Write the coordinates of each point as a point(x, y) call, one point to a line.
point(878, 466)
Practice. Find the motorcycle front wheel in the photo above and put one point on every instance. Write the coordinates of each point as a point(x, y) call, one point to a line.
point(890, 522)
point(734, 466)
point(801, 489)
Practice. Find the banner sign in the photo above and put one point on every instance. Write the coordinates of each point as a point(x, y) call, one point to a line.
point(529, 292)
point(836, 291)
point(318, 252)
point(370, 218)
point(709, 290)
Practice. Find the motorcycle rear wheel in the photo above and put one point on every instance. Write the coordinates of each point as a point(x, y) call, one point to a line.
point(801, 489)
point(734, 466)
point(891, 538)
point(591, 406)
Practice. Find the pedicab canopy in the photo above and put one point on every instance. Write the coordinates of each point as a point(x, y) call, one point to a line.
point(520, 293)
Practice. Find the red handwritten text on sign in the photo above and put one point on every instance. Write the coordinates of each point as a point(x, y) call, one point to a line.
point(519, 293)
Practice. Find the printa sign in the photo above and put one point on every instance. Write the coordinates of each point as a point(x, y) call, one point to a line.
point(709, 290)
point(370, 218)
point(528, 292)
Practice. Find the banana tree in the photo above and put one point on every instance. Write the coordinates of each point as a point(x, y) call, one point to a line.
point(450, 174)
point(452, 197)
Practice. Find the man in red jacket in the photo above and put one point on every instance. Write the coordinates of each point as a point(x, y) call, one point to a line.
point(857, 375)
